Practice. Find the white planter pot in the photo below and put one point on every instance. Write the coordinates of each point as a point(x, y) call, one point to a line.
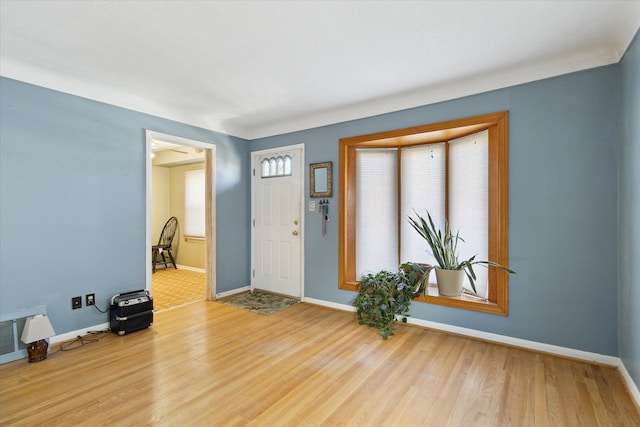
point(449, 282)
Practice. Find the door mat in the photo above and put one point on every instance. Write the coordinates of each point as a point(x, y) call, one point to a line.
point(260, 302)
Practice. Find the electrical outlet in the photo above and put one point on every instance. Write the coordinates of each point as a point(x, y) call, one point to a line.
point(76, 302)
point(90, 299)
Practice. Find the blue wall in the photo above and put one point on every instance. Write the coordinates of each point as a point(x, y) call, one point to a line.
point(563, 177)
point(72, 202)
point(629, 214)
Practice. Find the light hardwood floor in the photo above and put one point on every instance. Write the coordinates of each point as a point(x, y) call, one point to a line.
point(211, 364)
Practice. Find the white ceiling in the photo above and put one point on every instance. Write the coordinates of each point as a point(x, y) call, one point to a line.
point(259, 68)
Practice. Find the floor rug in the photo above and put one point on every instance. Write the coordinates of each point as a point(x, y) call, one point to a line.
point(260, 302)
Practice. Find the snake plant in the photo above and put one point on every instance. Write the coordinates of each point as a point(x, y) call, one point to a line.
point(444, 248)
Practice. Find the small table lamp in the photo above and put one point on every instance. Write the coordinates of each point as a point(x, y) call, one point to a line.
point(36, 330)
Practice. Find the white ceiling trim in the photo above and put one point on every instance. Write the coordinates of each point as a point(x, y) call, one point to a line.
point(442, 92)
point(110, 95)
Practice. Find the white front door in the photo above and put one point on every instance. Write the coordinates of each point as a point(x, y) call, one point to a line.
point(277, 220)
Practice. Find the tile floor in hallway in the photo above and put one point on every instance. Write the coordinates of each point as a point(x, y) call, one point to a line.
point(175, 287)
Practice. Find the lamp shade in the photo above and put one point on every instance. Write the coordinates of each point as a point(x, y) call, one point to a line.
point(36, 328)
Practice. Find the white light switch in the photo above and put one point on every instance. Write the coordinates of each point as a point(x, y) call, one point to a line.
point(312, 205)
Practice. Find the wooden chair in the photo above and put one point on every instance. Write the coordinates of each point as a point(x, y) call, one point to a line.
point(164, 245)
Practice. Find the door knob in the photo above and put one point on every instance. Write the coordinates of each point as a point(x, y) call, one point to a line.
point(295, 232)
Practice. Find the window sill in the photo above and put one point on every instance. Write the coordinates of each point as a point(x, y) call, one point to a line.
point(465, 302)
point(194, 239)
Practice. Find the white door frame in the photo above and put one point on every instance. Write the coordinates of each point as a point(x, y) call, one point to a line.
point(255, 170)
point(210, 205)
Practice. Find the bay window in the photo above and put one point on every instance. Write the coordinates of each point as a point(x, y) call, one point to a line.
point(455, 170)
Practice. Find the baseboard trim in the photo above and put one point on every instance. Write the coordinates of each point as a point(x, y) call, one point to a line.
point(342, 307)
point(186, 267)
point(80, 332)
point(491, 337)
point(488, 336)
point(633, 388)
point(511, 341)
point(518, 342)
point(233, 292)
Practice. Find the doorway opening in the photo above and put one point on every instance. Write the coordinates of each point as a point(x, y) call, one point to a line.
point(185, 155)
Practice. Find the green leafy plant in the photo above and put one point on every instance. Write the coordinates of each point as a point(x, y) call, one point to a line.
point(413, 273)
point(383, 297)
point(444, 248)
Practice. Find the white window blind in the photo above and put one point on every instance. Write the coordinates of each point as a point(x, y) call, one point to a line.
point(376, 205)
point(423, 188)
point(194, 203)
point(468, 200)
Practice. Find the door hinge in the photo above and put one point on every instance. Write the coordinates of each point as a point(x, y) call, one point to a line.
point(254, 272)
point(254, 222)
point(254, 172)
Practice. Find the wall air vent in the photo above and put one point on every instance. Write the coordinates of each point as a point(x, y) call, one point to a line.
point(11, 325)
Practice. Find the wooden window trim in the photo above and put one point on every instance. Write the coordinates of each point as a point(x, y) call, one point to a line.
point(497, 125)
